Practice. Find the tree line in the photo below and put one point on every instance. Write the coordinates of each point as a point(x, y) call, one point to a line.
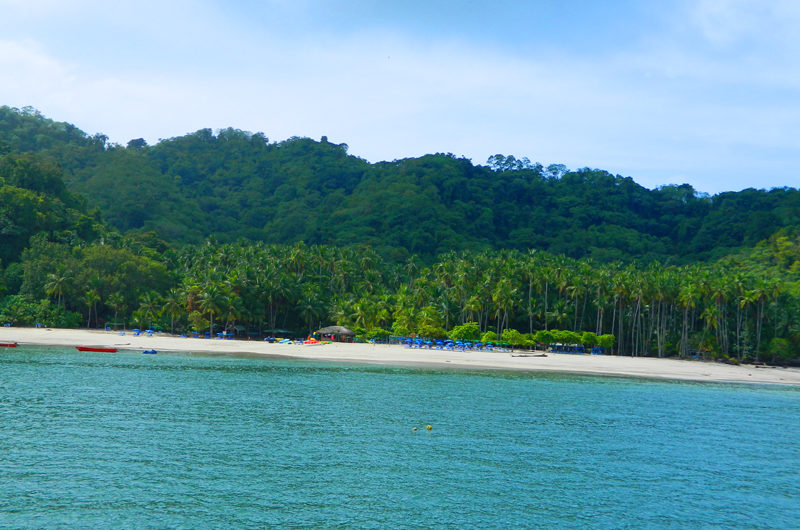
point(720, 310)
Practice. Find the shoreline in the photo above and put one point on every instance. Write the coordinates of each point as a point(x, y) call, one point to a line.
point(398, 355)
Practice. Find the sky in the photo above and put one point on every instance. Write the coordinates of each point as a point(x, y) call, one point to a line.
point(704, 92)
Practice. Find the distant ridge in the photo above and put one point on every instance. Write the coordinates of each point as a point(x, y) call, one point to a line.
point(234, 185)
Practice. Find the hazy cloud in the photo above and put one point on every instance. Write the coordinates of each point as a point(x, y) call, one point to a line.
point(708, 98)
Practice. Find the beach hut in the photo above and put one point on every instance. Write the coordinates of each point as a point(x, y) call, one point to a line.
point(337, 333)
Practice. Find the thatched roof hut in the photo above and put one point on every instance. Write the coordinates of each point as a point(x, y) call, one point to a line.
point(336, 330)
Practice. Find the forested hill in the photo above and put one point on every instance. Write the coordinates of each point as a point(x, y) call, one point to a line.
point(233, 184)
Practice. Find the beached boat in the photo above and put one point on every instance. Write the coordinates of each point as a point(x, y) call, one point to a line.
point(8, 344)
point(96, 348)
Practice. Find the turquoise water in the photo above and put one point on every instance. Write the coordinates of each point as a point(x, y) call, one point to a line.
point(131, 440)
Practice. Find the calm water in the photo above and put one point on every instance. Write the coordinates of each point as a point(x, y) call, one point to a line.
point(131, 440)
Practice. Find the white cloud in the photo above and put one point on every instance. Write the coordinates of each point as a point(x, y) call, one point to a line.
point(20, 59)
point(663, 108)
point(37, 7)
point(729, 22)
point(28, 75)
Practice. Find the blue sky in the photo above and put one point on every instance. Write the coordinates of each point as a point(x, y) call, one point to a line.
point(704, 92)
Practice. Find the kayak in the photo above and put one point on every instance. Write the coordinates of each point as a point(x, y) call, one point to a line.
point(96, 348)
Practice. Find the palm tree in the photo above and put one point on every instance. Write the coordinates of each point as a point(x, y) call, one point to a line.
point(311, 306)
point(116, 302)
point(149, 306)
point(530, 274)
point(174, 303)
point(621, 289)
point(231, 308)
point(91, 297)
point(210, 298)
point(429, 317)
point(687, 298)
point(720, 292)
point(601, 290)
point(503, 297)
point(56, 284)
point(761, 293)
point(559, 313)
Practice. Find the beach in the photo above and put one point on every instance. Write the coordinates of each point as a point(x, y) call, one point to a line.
point(645, 367)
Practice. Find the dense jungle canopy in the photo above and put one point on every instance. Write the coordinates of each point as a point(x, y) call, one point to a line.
point(227, 230)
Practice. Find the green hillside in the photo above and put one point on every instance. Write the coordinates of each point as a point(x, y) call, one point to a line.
point(34, 200)
point(236, 185)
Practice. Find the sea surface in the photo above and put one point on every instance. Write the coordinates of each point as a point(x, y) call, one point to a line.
point(128, 440)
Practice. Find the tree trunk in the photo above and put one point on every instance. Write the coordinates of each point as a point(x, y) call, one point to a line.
point(759, 321)
point(683, 349)
point(546, 285)
point(739, 316)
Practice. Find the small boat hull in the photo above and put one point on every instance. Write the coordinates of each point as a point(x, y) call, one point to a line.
point(8, 344)
point(96, 348)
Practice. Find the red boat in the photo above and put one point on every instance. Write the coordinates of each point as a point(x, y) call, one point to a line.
point(96, 348)
point(8, 344)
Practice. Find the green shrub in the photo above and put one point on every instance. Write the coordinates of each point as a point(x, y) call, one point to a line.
point(489, 336)
point(377, 333)
point(198, 322)
point(566, 337)
point(19, 310)
point(606, 341)
point(780, 349)
point(544, 337)
point(468, 331)
point(432, 332)
point(589, 339)
point(361, 333)
point(513, 337)
point(400, 330)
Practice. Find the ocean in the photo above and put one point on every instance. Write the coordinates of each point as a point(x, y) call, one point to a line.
point(187, 441)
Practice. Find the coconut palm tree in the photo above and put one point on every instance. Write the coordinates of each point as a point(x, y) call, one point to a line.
point(149, 306)
point(210, 298)
point(55, 286)
point(91, 297)
point(174, 304)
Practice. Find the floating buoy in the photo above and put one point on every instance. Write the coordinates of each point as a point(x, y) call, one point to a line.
point(429, 427)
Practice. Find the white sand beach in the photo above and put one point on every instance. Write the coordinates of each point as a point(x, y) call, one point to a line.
point(648, 367)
